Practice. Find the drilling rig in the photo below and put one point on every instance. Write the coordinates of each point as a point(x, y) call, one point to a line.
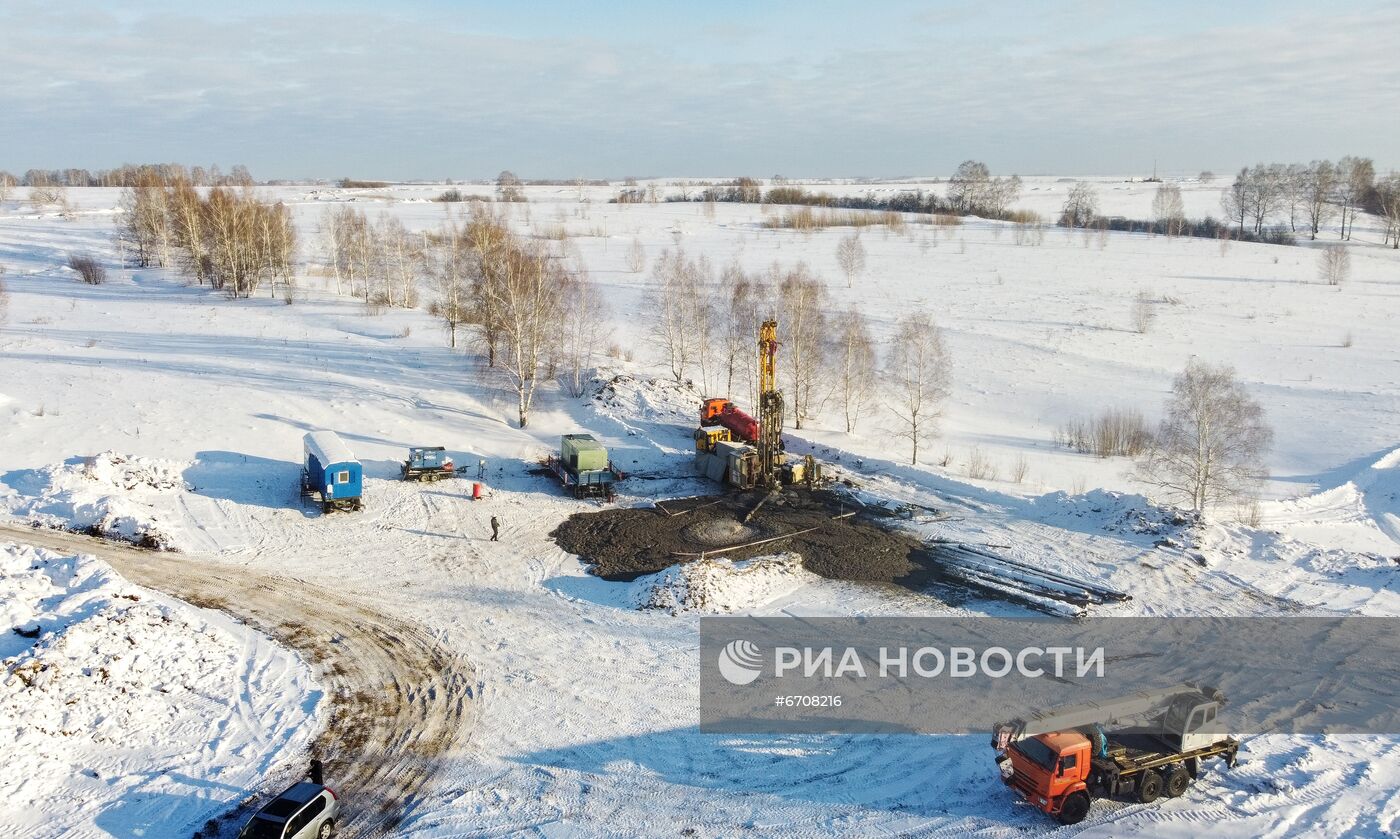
point(770, 406)
point(741, 451)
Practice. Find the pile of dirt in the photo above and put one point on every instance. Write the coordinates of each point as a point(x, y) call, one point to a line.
point(623, 544)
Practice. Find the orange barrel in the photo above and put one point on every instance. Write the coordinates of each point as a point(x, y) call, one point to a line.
point(476, 492)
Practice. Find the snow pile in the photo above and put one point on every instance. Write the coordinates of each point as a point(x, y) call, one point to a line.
point(122, 696)
point(650, 399)
point(110, 495)
point(1119, 512)
point(1360, 514)
point(717, 585)
point(1303, 575)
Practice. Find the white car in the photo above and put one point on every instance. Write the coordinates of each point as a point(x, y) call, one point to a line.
point(305, 811)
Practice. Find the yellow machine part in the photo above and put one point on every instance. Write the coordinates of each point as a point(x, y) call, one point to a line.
point(768, 356)
point(707, 436)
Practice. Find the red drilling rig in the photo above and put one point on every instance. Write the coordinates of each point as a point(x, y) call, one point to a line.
point(734, 448)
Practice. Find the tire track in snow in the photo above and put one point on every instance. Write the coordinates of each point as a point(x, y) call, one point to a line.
point(400, 706)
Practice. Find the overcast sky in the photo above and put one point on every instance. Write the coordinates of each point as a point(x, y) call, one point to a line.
point(438, 88)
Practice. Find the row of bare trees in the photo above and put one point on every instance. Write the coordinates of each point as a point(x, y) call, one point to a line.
point(972, 189)
point(706, 327)
point(167, 174)
point(226, 237)
point(1310, 195)
point(533, 315)
point(380, 262)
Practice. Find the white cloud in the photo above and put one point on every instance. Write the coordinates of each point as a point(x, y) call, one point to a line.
point(296, 94)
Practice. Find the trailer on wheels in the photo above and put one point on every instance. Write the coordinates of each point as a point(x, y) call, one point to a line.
point(330, 473)
point(582, 466)
point(1060, 760)
point(427, 463)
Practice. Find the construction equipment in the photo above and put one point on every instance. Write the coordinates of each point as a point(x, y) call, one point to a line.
point(770, 405)
point(1061, 759)
point(718, 411)
point(427, 463)
point(582, 466)
point(735, 448)
point(707, 438)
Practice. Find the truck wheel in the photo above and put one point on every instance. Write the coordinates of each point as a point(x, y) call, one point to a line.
point(1177, 782)
point(1097, 741)
point(327, 830)
point(1075, 808)
point(1149, 787)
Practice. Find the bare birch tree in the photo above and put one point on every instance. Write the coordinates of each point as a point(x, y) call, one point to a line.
point(802, 323)
point(743, 302)
point(636, 257)
point(1334, 264)
point(400, 261)
point(855, 355)
point(1388, 196)
point(1316, 186)
point(917, 374)
point(584, 325)
point(674, 300)
point(1234, 201)
point(1211, 444)
point(328, 234)
point(850, 256)
point(487, 237)
point(448, 270)
point(1081, 206)
point(1168, 209)
point(187, 217)
point(527, 311)
point(1355, 176)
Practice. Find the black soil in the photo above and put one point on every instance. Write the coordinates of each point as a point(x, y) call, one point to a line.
point(622, 544)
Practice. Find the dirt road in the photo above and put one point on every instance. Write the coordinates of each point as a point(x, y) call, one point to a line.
point(399, 703)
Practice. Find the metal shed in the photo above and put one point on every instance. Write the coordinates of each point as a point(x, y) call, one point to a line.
point(331, 472)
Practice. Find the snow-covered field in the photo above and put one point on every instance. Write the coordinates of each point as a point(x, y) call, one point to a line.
point(586, 714)
point(128, 713)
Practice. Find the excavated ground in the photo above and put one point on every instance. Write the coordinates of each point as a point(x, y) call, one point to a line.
point(622, 544)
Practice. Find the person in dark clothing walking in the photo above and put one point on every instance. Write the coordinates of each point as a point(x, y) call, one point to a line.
point(495, 529)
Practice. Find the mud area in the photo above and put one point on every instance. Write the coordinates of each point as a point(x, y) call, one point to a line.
point(834, 535)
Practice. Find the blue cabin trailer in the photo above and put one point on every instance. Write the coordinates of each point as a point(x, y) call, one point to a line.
point(331, 473)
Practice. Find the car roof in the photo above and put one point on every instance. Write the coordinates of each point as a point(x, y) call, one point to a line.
point(296, 796)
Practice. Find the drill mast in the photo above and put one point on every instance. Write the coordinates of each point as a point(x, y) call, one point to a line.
point(770, 406)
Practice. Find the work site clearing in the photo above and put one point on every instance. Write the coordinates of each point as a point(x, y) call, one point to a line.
point(547, 682)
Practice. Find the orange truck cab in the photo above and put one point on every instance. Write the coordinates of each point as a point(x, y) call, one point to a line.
point(1049, 769)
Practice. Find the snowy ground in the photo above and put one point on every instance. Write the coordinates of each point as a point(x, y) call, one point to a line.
point(131, 714)
point(585, 718)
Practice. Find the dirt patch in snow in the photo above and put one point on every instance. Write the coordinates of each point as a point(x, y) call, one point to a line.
point(623, 544)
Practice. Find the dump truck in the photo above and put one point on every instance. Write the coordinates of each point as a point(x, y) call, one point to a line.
point(1061, 759)
point(582, 466)
point(427, 463)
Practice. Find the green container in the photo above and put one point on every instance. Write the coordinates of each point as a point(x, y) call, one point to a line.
point(581, 453)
